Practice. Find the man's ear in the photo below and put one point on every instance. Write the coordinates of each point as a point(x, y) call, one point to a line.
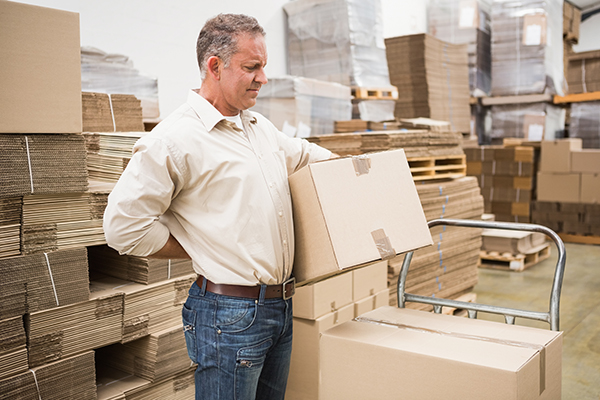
point(214, 65)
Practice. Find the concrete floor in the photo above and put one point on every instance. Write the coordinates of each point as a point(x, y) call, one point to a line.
point(579, 310)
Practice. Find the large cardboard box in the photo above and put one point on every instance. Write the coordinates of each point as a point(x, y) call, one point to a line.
point(304, 377)
point(369, 280)
point(40, 60)
point(590, 188)
point(558, 187)
point(353, 211)
point(556, 154)
point(319, 298)
point(392, 353)
point(586, 161)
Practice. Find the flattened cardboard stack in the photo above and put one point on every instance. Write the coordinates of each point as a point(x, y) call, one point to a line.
point(583, 73)
point(13, 289)
point(585, 119)
point(111, 113)
point(532, 121)
point(117, 385)
point(57, 278)
point(10, 226)
point(447, 269)
point(322, 305)
point(337, 41)
point(41, 164)
point(432, 78)
point(302, 107)
point(415, 142)
point(58, 222)
point(155, 357)
point(506, 176)
point(60, 332)
point(148, 309)
point(70, 378)
point(105, 260)
point(341, 41)
point(114, 73)
point(527, 47)
point(109, 153)
point(466, 22)
point(13, 353)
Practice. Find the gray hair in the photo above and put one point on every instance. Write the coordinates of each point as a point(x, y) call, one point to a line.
point(219, 37)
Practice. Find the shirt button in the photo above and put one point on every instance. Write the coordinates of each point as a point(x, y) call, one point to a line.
point(280, 214)
point(285, 242)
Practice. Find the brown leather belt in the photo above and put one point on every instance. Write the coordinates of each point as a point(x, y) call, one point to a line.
point(284, 290)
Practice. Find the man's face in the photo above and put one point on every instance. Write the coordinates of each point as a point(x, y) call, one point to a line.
point(243, 78)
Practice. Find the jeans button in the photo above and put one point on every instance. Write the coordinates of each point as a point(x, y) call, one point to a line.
point(218, 331)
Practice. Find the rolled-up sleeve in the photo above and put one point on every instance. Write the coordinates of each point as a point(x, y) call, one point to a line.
point(142, 194)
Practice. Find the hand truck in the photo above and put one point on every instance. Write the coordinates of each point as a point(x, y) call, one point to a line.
point(551, 317)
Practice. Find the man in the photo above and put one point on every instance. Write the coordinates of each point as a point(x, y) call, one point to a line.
point(210, 183)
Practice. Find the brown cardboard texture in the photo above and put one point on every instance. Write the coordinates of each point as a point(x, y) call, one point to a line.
point(556, 154)
point(353, 211)
point(590, 188)
point(319, 298)
point(586, 161)
point(558, 187)
point(304, 377)
point(40, 60)
point(370, 280)
point(392, 353)
point(372, 302)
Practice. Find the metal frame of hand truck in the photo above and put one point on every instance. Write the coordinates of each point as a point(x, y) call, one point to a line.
point(551, 317)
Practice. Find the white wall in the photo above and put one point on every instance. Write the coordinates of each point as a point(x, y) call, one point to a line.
point(160, 36)
point(404, 17)
point(589, 35)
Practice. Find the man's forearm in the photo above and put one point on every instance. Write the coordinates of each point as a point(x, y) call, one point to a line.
point(172, 250)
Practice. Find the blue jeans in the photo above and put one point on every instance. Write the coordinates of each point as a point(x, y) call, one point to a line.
point(242, 346)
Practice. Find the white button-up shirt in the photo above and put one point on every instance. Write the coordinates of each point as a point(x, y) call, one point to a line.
point(221, 192)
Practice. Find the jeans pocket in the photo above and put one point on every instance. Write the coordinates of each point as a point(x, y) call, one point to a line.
point(188, 317)
point(249, 364)
point(235, 316)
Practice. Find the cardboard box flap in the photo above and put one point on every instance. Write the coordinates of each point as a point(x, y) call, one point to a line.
point(357, 178)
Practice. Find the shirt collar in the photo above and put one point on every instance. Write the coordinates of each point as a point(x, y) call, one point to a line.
point(209, 115)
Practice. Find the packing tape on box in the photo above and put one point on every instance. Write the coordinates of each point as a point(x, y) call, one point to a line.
point(362, 164)
point(383, 244)
point(539, 348)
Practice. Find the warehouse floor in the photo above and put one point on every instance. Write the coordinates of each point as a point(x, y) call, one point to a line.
point(579, 310)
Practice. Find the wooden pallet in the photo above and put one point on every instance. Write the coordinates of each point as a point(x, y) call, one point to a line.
point(513, 262)
point(467, 297)
point(372, 93)
point(577, 97)
point(581, 239)
point(428, 168)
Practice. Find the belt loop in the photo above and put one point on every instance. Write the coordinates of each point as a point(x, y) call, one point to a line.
point(203, 288)
point(261, 295)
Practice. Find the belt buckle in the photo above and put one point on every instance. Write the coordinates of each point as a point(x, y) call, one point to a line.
point(292, 280)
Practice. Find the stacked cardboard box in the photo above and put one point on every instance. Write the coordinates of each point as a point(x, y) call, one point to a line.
point(13, 353)
point(506, 176)
point(118, 385)
point(568, 173)
point(447, 269)
point(155, 357)
point(322, 305)
point(432, 79)
point(337, 41)
point(341, 41)
point(583, 71)
point(571, 22)
point(10, 226)
point(391, 350)
point(579, 219)
point(531, 121)
point(527, 47)
point(69, 378)
point(302, 107)
point(461, 22)
point(114, 73)
point(584, 121)
point(105, 260)
point(108, 154)
point(111, 113)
